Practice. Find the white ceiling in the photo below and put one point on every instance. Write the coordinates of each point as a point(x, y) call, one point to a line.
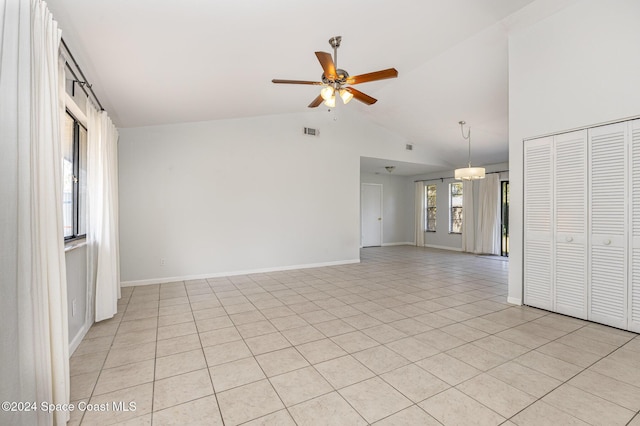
point(167, 61)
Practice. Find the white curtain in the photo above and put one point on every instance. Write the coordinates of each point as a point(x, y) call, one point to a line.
point(420, 212)
point(468, 217)
point(102, 233)
point(31, 78)
point(488, 227)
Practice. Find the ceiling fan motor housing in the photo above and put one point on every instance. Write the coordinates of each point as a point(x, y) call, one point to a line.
point(340, 80)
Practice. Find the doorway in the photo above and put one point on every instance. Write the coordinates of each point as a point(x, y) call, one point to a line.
point(504, 214)
point(371, 214)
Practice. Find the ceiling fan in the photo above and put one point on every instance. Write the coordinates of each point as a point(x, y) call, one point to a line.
point(334, 80)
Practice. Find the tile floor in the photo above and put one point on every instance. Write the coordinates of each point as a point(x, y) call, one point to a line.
point(410, 336)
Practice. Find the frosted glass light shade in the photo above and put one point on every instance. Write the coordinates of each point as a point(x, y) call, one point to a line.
point(469, 173)
point(331, 102)
point(346, 96)
point(326, 93)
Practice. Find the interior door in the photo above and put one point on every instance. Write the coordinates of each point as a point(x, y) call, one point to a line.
point(538, 223)
point(570, 171)
point(371, 214)
point(608, 243)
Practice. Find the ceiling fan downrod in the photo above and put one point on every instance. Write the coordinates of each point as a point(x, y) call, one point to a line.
point(335, 43)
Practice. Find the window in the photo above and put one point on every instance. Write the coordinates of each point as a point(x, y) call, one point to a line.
point(431, 208)
point(505, 218)
point(455, 208)
point(74, 178)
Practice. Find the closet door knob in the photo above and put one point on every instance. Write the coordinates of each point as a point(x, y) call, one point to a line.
point(606, 242)
point(569, 239)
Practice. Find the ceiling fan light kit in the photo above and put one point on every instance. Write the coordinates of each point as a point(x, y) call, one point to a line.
point(327, 93)
point(346, 96)
point(335, 80)
point(468, 173)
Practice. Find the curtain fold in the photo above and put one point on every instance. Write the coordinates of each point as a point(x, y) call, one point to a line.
point(420, 214)
point(102, 217)
point(488, 227)
point(17, 353)
point(48, 263)
point(30, 84)
point(468, 219)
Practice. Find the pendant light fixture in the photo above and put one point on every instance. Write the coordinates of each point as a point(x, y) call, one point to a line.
point(468, 173)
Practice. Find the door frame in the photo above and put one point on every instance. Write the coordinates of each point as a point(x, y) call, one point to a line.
point(381, 213)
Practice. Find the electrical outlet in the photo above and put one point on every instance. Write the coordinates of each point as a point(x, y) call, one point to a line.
point(163, 261)
point(73, 308)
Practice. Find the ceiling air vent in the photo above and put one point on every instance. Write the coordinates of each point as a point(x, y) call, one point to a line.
point(408, 147)
point(311, 132)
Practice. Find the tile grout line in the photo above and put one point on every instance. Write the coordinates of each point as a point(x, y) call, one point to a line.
point(566, 382)
point(344, 282)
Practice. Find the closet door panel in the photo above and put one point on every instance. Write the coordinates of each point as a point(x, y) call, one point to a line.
point(634, 279)
point(608, 213)
point(570, 176)
point(538, 220)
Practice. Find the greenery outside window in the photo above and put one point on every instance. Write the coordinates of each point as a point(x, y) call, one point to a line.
point(455, 208)
point(430, 215)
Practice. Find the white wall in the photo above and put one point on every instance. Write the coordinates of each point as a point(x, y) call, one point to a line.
point(77, 288)
point(243, 195)
point(397, 207)
point(576, 68)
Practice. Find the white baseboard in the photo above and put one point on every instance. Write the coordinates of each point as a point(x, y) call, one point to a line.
point(75, 342)
point(398, 244)
point(443, 247)
point(232, 273)
point(514, 301)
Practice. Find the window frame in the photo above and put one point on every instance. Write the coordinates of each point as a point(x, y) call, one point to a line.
point(452, 207)
point(427, 207)
point(76, 177)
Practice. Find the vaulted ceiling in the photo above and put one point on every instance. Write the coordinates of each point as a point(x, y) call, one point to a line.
point(168, 61)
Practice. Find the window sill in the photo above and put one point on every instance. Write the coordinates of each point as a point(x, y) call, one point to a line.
point(455, 233)
point(75, 244)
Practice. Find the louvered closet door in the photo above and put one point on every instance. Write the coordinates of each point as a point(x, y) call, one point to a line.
point(634, 282)
point(538, 219)
point(608, 245)
point(570, 176)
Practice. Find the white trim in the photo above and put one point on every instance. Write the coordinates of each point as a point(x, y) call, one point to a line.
point(407, 243)
point(75, 244)
point(514, 301)
point(587, 127)
point(73, 345)
point(77, 112)
point(443, 247)
point(232, 273)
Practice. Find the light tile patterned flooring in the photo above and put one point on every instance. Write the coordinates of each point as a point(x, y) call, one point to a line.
point(410, 336)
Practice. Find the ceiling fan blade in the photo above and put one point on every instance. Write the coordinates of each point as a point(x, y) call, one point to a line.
point(327, 64)
point(278, 81)
point(373, 76)
point(362, 97)
point(317, 101)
